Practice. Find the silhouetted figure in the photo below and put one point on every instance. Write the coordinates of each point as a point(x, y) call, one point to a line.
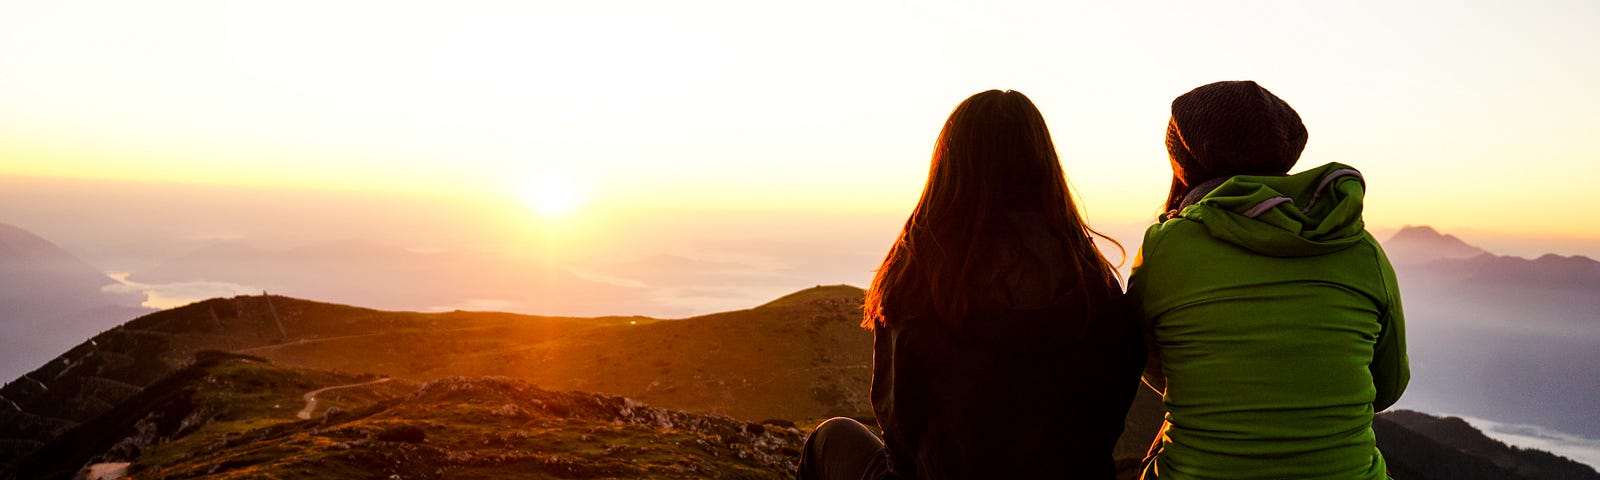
point(1274, 319)
point(1002, 344)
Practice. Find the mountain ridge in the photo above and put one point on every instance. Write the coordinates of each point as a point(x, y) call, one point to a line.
point(51, 300)
point(1420, 445)
point(1422, 243)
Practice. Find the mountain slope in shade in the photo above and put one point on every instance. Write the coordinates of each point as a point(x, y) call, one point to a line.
point(44, 281)
point(50, 301)
point(1420, 244)
point(1416, 446)
point(1419, 446)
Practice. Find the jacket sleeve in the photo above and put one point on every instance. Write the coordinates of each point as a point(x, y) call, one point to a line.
point(1152, 374)
point(1391, 370)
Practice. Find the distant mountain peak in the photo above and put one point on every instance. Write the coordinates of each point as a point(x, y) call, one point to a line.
point(1422, 243)
point(51, 300)
point(1424, 230)
point(1426, 234)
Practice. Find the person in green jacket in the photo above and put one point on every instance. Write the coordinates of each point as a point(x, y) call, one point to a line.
point(1272, 315)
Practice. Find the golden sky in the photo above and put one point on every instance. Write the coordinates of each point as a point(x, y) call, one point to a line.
point(1466, 115)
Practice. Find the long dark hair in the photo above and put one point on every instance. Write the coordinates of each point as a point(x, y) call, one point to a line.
point(993, 157)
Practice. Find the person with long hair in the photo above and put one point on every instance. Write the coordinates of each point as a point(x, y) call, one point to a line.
point(1002, 344)
point(1272, 316)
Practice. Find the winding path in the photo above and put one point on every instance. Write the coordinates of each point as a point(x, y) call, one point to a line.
point(311, 396)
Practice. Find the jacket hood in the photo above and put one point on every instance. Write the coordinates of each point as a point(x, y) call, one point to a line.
point(1314, 212)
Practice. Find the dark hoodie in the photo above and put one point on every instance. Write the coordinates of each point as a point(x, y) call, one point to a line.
point(1036, 387)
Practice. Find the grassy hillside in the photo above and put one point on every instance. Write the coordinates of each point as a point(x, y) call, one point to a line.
point(111, 367)
point(217, 394)
point(800, 357)
point(233, 417)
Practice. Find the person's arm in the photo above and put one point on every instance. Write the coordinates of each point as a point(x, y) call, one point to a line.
point(1153, 376)
point(1391, 370)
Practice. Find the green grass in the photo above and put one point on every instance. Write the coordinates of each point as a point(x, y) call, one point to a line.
point(473, 428)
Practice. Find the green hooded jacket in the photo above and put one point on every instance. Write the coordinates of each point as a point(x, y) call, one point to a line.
point(1279, 330)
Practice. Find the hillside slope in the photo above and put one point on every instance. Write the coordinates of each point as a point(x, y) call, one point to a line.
point(111, 367)
point(196, 423)
point(800, 357)
point(1424, 447)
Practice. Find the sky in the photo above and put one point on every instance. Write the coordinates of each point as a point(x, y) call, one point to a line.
point(680, 158)
point(587, 132)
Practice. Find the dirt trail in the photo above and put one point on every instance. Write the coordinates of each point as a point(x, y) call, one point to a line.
point(311, 396)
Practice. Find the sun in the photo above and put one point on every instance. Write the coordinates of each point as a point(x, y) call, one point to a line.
point(553, 195)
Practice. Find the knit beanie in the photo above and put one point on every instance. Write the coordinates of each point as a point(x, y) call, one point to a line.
point(1232, 128)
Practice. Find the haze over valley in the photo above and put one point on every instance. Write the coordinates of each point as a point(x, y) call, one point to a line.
point(1507, 341)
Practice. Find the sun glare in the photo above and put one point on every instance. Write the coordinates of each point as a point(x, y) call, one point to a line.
point(553, 195)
